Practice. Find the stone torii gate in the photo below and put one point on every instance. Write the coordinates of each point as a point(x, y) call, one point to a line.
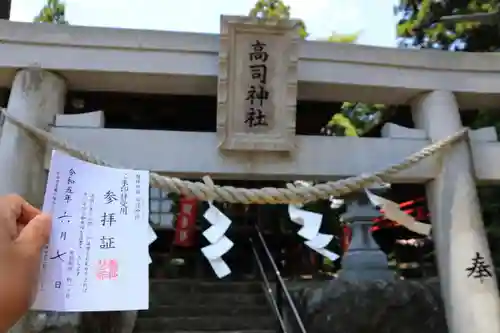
point(436, 85)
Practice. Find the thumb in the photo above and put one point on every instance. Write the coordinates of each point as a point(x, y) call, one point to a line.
point(35, 235)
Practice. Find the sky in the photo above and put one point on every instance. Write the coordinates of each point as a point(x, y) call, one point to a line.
point(373, 19)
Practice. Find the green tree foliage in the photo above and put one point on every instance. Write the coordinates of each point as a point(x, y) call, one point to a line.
point(275, 10)
point(338, 38)
point(420, 25)
point(53, 12)
point(354, 118)
point(278, 10)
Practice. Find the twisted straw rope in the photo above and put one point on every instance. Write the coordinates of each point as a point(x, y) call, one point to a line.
point(291, 194)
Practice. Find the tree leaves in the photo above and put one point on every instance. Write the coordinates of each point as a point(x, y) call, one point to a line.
point(353, 119)
point(420, 24)
point(54, 11)
point(337, 38)
point(278, 10)
point(340, 120)
point(275, 10)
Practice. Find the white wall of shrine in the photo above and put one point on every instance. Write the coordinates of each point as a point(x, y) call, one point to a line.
point(41, 62)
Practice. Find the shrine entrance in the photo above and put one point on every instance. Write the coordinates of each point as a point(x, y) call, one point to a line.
point(294, 260)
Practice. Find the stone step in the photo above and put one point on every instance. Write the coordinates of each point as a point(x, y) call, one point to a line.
point(195, 310)
point(213, 323)
point(158, 298)
point(202, 286)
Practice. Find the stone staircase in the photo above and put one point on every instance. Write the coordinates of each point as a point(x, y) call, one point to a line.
point(199, 306)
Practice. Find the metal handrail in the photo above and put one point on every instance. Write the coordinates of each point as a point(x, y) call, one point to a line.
point(268, 288)
point(279, 280)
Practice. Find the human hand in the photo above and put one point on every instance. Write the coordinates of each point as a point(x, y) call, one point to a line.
point(24, 231)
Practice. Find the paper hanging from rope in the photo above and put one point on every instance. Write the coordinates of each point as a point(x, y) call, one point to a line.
point(219, 243)
point(218, 249)
point(320, 241)
point(220, 223)
point(311, 224)
point(393, 212)
point(335, 203)
point(326, 253)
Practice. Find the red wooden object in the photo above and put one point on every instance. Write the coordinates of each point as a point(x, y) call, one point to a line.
point(414, 208)
point(185, 226)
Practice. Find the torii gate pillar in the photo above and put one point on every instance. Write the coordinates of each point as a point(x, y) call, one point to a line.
point(35, 98)
point(471, 301)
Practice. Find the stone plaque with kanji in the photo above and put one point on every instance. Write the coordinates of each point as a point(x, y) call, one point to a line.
point(257, 90)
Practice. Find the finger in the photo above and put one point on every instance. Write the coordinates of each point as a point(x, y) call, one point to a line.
point(10, 209)
point(34, 236)
point(22, 211)
point(28, 213)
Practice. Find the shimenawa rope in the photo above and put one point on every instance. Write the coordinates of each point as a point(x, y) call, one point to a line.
point(291, 194)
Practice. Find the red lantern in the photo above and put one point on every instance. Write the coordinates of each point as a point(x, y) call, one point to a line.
point(185, 226)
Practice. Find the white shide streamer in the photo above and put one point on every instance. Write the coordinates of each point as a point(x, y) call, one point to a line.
point(219, 243)
point(311, 224)
point(393, 212)
point(335, 203)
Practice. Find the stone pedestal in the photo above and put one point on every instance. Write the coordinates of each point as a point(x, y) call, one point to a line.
point(403, 306)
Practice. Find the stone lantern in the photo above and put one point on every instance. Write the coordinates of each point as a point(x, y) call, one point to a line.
point(366, 296)
point(364, 260)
